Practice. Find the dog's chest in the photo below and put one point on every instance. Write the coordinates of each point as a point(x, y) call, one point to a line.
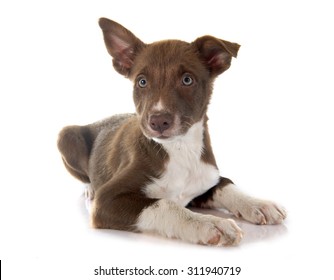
point(186, 176)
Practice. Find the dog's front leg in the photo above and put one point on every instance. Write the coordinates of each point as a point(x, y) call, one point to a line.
point(226, 195)
point(171, 220)
point(112, 209)
point(133, 211)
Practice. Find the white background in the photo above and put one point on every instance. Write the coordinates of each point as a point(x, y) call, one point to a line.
point(271, 120)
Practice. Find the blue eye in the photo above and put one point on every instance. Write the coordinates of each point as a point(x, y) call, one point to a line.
point(142, 82)
point(187, 80)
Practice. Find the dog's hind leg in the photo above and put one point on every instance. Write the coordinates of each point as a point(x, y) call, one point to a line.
point(75, 144)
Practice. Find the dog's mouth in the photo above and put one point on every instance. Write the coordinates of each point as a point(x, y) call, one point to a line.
point(161, 136)
point(164, 139)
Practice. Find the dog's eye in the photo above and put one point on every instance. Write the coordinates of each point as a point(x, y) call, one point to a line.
point(187, 80)
point(142, 82)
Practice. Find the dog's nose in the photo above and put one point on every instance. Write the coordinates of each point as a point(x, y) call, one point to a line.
point(161, 122)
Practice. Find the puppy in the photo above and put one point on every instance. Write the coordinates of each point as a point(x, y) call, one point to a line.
point(144, 169)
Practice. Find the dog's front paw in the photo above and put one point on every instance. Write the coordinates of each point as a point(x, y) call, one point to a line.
point(262, 212)
point(210, 230)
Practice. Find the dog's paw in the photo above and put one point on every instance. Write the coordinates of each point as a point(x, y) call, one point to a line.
point(262, 212)
point(211, 230)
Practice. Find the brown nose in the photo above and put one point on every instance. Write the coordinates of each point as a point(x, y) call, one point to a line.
point(161, 122)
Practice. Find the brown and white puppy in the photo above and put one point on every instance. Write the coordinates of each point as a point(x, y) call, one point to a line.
point(144, 169)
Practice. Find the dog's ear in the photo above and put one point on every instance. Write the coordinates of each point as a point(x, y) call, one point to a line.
point(216, 53)
point(121, 44)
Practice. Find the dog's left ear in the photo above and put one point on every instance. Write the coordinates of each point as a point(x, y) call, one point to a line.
point(216, 53)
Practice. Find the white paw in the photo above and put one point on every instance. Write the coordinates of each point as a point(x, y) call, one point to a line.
point(261, 212)
point(211, 230)
point(173, 221)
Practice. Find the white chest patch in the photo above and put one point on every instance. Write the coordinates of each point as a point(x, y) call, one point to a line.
point(186, 176)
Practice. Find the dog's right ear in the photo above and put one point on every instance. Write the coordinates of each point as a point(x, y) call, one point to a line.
point(121, 44)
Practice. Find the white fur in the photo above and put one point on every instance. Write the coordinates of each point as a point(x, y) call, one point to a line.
point(88, 198)
point(186, 175)
point(171, 220)
point(158, 106)
point(252, 209)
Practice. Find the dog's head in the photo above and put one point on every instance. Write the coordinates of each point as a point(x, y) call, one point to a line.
point(172, 79)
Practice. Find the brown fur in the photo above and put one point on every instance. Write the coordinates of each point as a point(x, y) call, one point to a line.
point(115, 155)
point(119, 156)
